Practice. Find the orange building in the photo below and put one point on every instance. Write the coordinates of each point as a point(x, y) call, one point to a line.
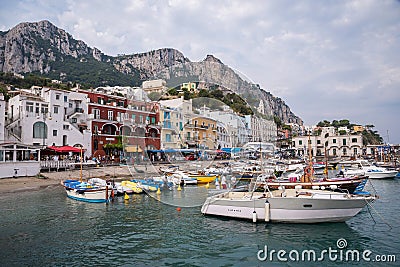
point(201, 132)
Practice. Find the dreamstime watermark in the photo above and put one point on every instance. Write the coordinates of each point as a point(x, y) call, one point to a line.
point(338, 253)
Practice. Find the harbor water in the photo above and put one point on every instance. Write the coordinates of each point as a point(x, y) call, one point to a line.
point(45, 228)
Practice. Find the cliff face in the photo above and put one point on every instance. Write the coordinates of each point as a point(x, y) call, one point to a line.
point(42, 47)
point(149, 63)
point(31, 47)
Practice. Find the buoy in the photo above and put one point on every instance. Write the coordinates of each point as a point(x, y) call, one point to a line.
point(208, 185)
point(254, 216)
point(126, 197)
point(179, 188)
point(178, 209)
point(267, 206)
point(158, 191)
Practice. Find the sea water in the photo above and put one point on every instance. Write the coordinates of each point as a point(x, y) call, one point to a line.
point(45, 228)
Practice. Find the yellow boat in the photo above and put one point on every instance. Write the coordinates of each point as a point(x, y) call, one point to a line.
point(203, 179)
point(133, 186)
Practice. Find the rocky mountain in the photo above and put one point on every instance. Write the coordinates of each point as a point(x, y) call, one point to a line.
point(43, 48)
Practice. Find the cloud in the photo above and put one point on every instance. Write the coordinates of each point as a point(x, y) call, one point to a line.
point(327, 60)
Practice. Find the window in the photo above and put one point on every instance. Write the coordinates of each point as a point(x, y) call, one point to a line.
point(334, 152)
point(58, 96)
point(74, 120)
point(318, 142)
point(55, 109)
point(96, 113)
point(96, 129)
point(153, 120)
point(110, 115)
point(29, 106)
point(37, 108)
point(188, 136)
point(65, 127)
point(134, 117)
point(54, 132)
point(140, 119)
point(168, 138)
point(39, 130)
point(45, 108)
point(300, 142)
point(65, 98)
point(334, 141)
point(344, 151)
point(344, 142)
point(354, 140)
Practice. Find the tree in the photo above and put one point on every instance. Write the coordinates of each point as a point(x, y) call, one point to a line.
point(203, 93)
point(154, 96)
point(324, 123)
point(173, 91)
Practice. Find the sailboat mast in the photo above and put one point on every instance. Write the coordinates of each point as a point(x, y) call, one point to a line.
point(81, 167)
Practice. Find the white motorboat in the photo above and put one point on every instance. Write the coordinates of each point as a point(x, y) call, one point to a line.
point(374, 172)
point(287, 205)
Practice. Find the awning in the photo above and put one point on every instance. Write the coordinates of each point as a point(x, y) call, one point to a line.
point(133, 149)
point(65, 149)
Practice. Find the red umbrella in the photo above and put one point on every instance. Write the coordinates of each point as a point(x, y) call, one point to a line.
point(65, 149)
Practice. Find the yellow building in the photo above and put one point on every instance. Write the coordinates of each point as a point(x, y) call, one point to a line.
point(358, 128)
point(201, 132)
point(191, 87)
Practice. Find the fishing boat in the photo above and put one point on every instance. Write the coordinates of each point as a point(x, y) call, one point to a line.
point(87, 192)
point(344, 184)
point(130, 187)
point(287, 205)
point(202, 178)
point(90, 191)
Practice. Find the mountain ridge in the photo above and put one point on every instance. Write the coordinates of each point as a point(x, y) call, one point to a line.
point(41, 47)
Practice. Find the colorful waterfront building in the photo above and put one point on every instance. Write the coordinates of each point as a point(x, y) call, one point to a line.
point(122, 124)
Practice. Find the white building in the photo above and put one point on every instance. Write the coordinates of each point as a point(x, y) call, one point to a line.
point(236, 125)
point(223, 136)
point(157, 86)
point(349, 145)
point(55, 117)
point(262, 129)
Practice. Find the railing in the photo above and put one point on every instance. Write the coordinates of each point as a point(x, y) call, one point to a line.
point(55, 164)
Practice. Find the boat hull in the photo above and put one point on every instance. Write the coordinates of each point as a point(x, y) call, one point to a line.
point(99, 196)
point(381, 175)
point(93, 195)
point(204, 179)
point(286, 209)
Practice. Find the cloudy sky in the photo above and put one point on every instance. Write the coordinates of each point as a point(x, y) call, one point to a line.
point(325, 59)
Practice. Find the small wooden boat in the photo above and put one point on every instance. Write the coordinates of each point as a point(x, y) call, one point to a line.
point(134, 187)
point(92, 191)
point(87, 192)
